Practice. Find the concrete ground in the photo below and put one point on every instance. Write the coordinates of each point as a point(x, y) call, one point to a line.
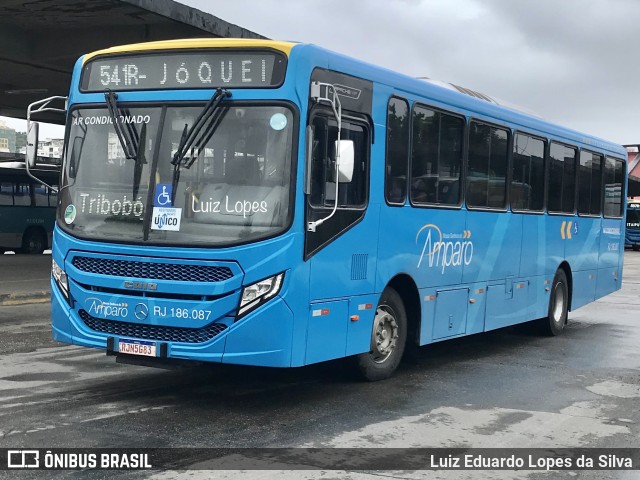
point(508, 388)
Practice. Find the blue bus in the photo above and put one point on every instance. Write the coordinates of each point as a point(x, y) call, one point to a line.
point(632, 231)
point(27, 208)
point(276, 204)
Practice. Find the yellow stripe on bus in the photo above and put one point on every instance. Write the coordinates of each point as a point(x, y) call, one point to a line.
point(284, 47)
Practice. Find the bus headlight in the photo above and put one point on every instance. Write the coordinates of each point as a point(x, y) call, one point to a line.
point(61, 278)
point(260, 292)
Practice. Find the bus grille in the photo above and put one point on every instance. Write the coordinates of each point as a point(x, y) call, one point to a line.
point(156, 271)
point(152, 332)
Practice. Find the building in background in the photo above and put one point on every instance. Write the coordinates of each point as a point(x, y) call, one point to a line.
point(633, 164)
point(51, 148)
point(7, 138)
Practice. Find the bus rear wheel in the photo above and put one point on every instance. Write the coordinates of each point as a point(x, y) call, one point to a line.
point(388, 339)
point(33, 242)
point(556, 319)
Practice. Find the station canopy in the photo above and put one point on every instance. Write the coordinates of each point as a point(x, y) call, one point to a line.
point(42, 39)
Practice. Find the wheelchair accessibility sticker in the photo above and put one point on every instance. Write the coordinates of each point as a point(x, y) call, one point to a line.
point(162, 197)
point(165, 216)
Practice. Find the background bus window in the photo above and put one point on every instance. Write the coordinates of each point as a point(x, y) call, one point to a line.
point(562, 178)
point(44, 196)
point(6, 193)
point(397, 160)
point(325, 134)
point(614, 191)
point(436, 157)
point(21, 196)
point(488, 159)
point(527, 174)
point(590, 183)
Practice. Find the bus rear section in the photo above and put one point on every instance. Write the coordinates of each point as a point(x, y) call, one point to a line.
point(632, 231)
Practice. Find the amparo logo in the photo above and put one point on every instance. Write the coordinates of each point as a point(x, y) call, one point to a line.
point(106, 309)
point(443, 250)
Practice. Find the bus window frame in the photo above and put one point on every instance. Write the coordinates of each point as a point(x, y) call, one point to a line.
point(386, 151)
point(463, 160)
point(545, 166)
point(590, 215)
point(623, 193)
point(362, 121)
point(575, 179)
point(509, 131)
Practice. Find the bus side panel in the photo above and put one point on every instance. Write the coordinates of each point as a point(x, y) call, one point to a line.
point(477, 308)
point(582, 247)
point(555, 239)
point(362, 309)
point(327, 331)
point(347, 265)
point(611, 255)
point(496, 239)
point(426, 243)
point(535, 247)
point(508, 303)
point(584, 288)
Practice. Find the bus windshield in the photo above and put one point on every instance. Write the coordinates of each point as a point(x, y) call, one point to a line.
point(236, 188)
point(633, 216)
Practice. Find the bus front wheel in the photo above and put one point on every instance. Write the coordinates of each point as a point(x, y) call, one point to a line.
point(388, 339)
point(33, 242)
point(556, 319)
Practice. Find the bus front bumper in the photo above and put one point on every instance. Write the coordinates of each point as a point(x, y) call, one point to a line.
point(262, 338)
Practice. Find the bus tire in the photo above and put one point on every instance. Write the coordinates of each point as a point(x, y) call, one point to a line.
point(33, 242)
point(556, 319)
point(388, 339)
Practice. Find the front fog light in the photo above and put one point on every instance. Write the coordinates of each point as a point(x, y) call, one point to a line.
point(61, 278)
point(260, 292)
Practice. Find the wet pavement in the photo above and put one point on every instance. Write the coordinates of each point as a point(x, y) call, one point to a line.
point(508, 388)
point(24, 278)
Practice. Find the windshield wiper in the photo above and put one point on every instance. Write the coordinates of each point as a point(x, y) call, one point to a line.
point(126, 133)
point(132, 143)
point(196, 137)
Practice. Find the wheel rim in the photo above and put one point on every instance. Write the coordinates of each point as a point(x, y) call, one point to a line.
point(385, 334)
point(558, 303)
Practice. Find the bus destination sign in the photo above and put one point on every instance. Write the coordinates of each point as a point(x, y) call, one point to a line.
point(189, 69)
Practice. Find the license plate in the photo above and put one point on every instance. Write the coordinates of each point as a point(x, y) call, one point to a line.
point(137, 347)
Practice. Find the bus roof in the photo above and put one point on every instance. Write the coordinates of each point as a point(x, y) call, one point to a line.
point(452, 96)
point(188, 43)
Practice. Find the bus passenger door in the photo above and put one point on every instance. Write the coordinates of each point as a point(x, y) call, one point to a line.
point(342, 245)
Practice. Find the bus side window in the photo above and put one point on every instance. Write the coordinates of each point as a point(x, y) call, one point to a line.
point(41, 195)
point(21, 195)
point(590, 183)
point(614, 189)
point(53, 196)
point(325, 134)
point(6, 193)
point(527, 173)
point(562, 178)
point(488, 160)
point(397, 157)
point(436, 157)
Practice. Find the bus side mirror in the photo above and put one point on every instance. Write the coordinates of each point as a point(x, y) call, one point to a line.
point(32, 144)
point(345, 170)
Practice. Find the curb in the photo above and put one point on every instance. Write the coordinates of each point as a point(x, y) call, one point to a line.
point(8, 299)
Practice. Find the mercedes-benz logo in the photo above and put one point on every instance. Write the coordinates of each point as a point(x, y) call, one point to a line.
point(141, 311)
